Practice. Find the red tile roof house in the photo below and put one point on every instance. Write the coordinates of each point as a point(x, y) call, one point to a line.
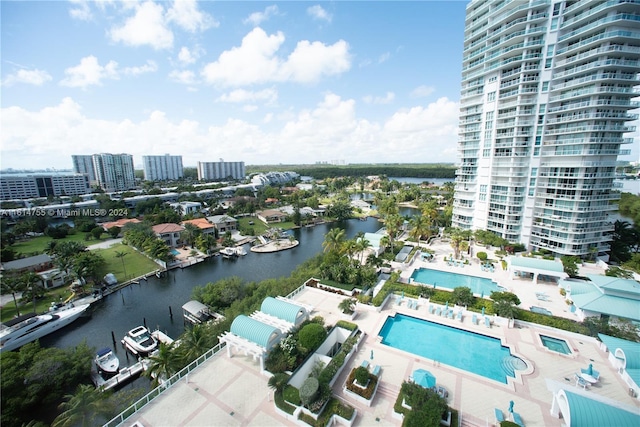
point(119, 223)
point(205, 226)
point(169, 232)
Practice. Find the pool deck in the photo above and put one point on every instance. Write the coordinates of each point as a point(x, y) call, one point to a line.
point(231, 391)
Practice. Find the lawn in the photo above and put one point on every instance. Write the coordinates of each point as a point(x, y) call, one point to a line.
point(37, 245)
point(54, 295)
point(135, 264)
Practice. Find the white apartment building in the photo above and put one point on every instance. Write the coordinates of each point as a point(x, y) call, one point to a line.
point(162, 168)
point(84, 164)
point(547, 90)
point(31, 185)
point(114, 172)
point(213, 171)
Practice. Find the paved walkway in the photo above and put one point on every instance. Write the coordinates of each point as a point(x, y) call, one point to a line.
point(232, 391)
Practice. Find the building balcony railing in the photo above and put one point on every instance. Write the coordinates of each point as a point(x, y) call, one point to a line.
point(627, 19)
point(617, 49)
point(607, 35)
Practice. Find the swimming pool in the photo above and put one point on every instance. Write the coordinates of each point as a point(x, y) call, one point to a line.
point(476, 353)
point(174, 252)
point(555, 344)
point(444, 279)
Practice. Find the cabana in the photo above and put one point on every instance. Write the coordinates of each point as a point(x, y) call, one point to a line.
point(284, 310)
point(582, 410)
point(252, 337)
point(519, 266)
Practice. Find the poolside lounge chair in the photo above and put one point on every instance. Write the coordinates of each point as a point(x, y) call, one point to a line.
point(474, 319)
point(438, 311)
point(415, 304)
point(365, 364)
point(430, 309)
point(499, 415)
point(487, 322)
point(376, 370)
point(459, 315)
point(517, 419)
point(398, 301)
point(450, 314)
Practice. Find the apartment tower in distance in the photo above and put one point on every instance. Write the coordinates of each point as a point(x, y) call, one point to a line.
point(216, 171)
point(162, 168)
point(546, 95)
point(112, 172)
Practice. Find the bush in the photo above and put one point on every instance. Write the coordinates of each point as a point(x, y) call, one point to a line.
point(370, 381)
point(361, 375)
point(291, 395)
point(311, 336)
point(462, 295)
point(482, 256)
point(346, 325)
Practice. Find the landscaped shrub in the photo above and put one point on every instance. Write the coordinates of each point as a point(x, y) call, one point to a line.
point(356, 376)
point(309, 390)
point(311, 336)
point(333, 407)
point(361, 374)
point(346, 325)
point(482, 256)
point(426, 405)
point(291, 395)
point(337, 361)
point(462, 295)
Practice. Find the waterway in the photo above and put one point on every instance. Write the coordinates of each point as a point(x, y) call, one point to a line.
point(149, 301)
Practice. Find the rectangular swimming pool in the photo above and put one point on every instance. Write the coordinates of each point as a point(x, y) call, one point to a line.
point(174, 252)
point(472, 352)
point(555, 344)
point(444, 279)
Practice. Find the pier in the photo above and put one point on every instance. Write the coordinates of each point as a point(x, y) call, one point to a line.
point(124, 376)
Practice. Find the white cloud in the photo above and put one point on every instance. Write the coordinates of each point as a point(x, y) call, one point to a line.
point(89, 72)
point(256, 18)
point(186, 14)
point(329, 130)
point(249, 108)
point(384, 57)
point(378, 100)
point(80, 10)
point(256, 61)
point(149, 67)
point(146, 27)
point(188, 56)
point(422, 91)
point(32, 77)
point(241, 95)
point(185, 77)
point(318, 13)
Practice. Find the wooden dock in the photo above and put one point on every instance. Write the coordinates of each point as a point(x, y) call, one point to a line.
point(124, 376)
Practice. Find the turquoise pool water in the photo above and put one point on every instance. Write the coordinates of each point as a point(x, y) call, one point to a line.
point(476, 353)
point(174, 252)
point(444, 279)
point(555, 344)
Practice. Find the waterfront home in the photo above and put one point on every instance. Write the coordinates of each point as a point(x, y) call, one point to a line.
point(185, 208)
point(203, 224)
point(169, 232)
point(223, 223)
point(119, 223)
point(269, 216)
point(42, 265)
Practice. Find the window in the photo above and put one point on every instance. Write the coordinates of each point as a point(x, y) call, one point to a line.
point(532, 182)
point(536, 152)
point(483, 188)
point(493, 79)
point(531, 191)
point(554, 24)
point(538, 138)
point(542, 109)
point(487, 134)
point(548, 62)
point(489, 115)
point(550, 50)
point(545, 86)
point(491, 96)
point(482, 197)
point(534, 171)
point(556, 9)
point(486, 152)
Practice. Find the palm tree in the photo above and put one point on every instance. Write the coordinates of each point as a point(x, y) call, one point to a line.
point(361, 245)
point(10, 284)
point(420, 226)
point(194, 343)
point(190, 234)
point(392, 224)
point(278, 382)
point(163, 364)
point(32, 283)
point(81, 408)
point(333, 240)
point(121, 255)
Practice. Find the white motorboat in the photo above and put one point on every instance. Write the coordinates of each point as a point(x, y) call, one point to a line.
point(241, 251)
point(140, 341)
point(228, 252)
point(107, 361)
point(24, 329)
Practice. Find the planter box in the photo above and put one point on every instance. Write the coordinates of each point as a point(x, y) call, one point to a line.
point(359, 398)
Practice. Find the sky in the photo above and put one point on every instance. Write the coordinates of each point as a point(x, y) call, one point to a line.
point(293, 82)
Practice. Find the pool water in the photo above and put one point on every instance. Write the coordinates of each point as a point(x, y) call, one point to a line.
point(472, 352)
point(444, 279)
point(555, 344)
point(174, 252)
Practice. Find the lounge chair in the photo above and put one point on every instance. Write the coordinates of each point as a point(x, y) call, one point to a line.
point(365, 364)
point(376, 370)
point(450, 314)
point(430, 309)
point(438, 311)
point(398, 301)
point(499, 415)
point(474, 319)
point(459, 315)
point(487, 322)
point(517, 419)
point(415, 304)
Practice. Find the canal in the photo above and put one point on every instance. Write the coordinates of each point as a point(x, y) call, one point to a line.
point(149, 301)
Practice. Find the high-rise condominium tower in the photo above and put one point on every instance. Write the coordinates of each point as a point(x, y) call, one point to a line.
point(162, 168)
point(114, 172)
point(546, 93)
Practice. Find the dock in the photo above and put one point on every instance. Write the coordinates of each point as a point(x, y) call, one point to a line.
point(124, 376)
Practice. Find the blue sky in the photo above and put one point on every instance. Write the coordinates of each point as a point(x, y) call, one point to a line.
point(259, 82)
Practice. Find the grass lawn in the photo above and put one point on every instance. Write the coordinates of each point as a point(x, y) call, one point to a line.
point(37, 245)
point(135, 264)
point(42, 305)
point(258, 226)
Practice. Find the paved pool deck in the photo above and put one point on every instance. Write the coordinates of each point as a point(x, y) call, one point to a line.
point(231, 391)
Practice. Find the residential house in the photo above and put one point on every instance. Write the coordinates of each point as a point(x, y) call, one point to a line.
point(119, 223)
point(169, 232)
point(185, 208)
point(203, 224)
point(271, 216)
point(42, 265)
point(223, 223)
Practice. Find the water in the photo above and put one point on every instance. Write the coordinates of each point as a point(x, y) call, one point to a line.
point(555, 344)
point(472, 352)
point(444, 279)
point(149, 301)
point(410, 180)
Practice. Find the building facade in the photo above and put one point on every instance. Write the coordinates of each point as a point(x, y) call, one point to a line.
point(84, 164)
point(42, 184)
point(220, 170)
point(162, 168)
point(545, 105)
point(114, 172)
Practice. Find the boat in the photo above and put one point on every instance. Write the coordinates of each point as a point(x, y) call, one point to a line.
point(110, 279)
point(107, 361)
point(240, 251)
point(140, 341)
point(228, 252)
point(29, 327)
point(195, 312)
